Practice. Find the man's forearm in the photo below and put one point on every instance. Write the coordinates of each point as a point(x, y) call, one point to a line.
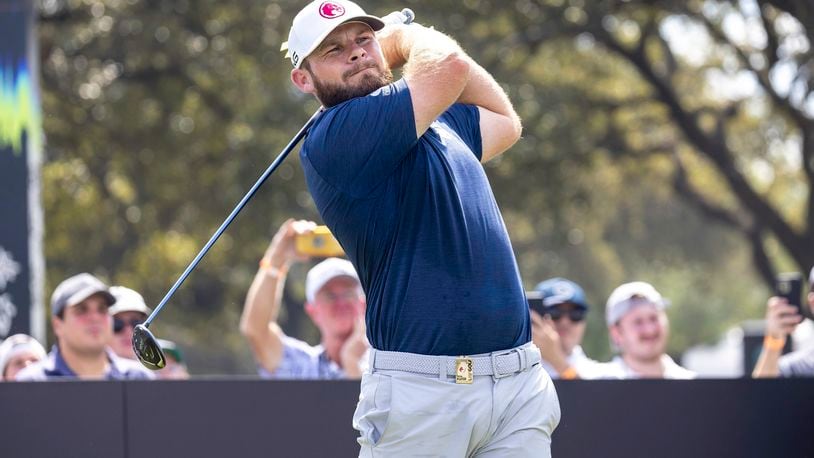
point(416, 48)
point(419, 50)
point(482, 90)
point(263, 300)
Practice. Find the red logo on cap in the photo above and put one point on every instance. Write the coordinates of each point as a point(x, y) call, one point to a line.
point(330, 10)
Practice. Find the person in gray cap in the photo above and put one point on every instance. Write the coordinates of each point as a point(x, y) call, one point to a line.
point(781, 320)
point(128, 311)
point(639, 329)
point(558, 331)
point(83, 329)
point(334, 302)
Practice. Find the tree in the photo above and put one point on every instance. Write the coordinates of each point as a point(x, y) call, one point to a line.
point(743, 159)
point(160, 114)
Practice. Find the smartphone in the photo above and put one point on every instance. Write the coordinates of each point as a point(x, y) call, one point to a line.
point(535, 300)
point(319, 243)
point(789, 286)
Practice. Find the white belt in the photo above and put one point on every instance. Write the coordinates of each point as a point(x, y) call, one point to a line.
point(498, 364)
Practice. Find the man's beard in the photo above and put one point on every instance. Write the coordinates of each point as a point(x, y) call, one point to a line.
point(331, 94)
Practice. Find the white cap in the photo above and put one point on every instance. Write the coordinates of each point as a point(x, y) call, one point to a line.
point(629, 295)
point(127, 300)
point(15, 345)
point(318, 19)
point(324, 272)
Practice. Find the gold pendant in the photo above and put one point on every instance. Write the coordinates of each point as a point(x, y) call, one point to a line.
point(464, 372)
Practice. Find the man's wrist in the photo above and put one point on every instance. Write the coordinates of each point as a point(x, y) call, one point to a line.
point(272, 270)
point(569, 373)
point(771, 342)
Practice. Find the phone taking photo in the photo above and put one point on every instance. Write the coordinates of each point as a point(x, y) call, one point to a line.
point(535, 300)
point(789, 285)
point(319, 243)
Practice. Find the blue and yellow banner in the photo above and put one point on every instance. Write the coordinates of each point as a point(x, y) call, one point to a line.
point(21, 270)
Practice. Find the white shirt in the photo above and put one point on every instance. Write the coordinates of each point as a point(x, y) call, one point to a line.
point(586, 367)
point(618, 369)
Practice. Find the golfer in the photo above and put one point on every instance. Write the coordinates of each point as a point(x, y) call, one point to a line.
point(395, 171)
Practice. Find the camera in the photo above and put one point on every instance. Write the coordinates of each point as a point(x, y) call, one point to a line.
point(318, 243)
point(535, 300)
point(789, 286)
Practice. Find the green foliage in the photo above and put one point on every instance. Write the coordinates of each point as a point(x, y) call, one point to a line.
point(160, 115)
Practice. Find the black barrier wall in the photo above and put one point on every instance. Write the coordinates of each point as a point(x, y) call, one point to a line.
point(257, 418)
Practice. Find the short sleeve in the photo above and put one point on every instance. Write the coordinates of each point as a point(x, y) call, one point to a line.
point(465, 121)
point(356, 144)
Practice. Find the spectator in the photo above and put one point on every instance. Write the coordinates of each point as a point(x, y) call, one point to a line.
point(128, 311)
point(176, 368)
point(334, 302)
point(16, 353)
point(781, 320)
point(558, 333)
point(639, 330)
point(83, 329)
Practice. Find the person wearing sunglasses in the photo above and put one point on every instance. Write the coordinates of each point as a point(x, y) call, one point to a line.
point(639, 329)
point(84, 329)
point(558, 327)
point(128, 311)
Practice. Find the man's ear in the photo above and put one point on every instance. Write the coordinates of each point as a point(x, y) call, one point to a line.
point(615, 335)
point(310, 310)
point(56, 325)
point(303, 80)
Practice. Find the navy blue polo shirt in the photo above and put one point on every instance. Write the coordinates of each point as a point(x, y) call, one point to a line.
point(418, 220)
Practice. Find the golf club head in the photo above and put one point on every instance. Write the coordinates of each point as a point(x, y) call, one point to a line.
point(147, 349)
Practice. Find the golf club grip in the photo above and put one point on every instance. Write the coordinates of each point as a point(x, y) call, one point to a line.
point(271, 168)
point(405, 16)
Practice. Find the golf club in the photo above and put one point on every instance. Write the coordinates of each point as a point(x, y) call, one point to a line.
point(145, 344)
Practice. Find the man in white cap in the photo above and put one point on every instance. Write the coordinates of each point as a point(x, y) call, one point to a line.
point(128, 311)
point(395, 171)
point(639, 329)
point(16, 353)
point(334, 302)
point(782, 319)
point(83, 329)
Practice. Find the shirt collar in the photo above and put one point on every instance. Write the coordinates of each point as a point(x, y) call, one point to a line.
point(58, 367)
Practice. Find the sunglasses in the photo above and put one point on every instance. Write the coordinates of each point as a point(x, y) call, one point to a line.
point(119, 324)
point(576, 315)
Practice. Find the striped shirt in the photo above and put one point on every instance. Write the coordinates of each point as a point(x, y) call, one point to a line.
point(302, 361)
point(798, 364)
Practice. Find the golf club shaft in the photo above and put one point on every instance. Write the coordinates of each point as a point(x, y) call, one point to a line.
point(271, 168)
point(404, 16)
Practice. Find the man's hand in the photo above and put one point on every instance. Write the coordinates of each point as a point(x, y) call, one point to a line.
point(545, 336)
point(781, 318)
point(281, 252)
point(392, 45)
point(354, 349)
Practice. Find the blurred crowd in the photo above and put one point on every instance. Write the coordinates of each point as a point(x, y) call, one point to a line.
point(93, 327)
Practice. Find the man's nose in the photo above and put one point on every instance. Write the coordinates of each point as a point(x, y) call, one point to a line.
point(357, 52)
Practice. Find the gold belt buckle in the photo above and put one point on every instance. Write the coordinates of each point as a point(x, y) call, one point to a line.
point(464, 372)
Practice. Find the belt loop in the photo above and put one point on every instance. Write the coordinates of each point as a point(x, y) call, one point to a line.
point(442, 368)
point(524, 362)
point(372, 360)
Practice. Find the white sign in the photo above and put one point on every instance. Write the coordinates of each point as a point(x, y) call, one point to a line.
point(9, 268)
